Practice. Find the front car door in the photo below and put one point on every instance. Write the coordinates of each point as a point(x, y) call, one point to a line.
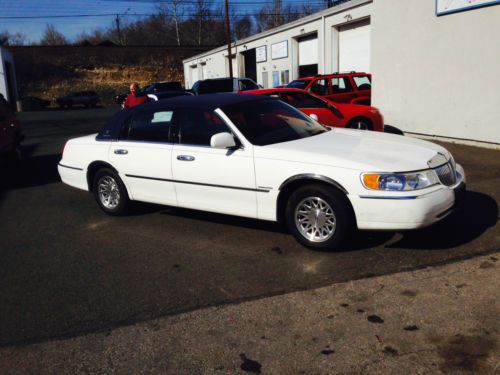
point(210, 179)
point(143, 154)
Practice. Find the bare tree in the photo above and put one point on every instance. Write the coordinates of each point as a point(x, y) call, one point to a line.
point(242, 28)
point(173, 10)
point(202, 13)
point(52, 37)
point(12, 39)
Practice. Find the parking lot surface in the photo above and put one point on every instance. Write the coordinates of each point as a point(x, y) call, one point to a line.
point(66, 268)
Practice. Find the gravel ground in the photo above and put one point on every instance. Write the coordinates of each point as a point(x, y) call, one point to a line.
point(436, 320)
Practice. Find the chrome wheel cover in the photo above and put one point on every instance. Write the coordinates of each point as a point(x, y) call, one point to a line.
point(109, 192)
point(315, 219)
point(361, 125)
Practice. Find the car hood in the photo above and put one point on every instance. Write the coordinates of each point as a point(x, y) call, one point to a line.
point(356, 149)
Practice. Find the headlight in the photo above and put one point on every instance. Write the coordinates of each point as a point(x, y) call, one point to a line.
point(399, 181)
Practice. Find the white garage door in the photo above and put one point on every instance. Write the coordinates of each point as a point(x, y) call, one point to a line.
point(308, 50)
point(354, 47)
point(193, 74)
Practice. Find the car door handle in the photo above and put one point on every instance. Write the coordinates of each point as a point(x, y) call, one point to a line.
point(121, 152)
point(185, 157)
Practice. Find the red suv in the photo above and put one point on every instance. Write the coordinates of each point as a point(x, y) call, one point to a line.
point(10, 131)
point(353, 87)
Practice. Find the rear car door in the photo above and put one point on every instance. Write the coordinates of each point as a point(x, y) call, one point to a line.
point(363, 86)
point(142, 156)
point(210, 179)
point(341, 90)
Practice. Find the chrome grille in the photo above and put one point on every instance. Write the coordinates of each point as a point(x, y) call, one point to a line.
point(447, 174)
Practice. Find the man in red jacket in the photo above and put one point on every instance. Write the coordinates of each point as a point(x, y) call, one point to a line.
point(135, 97)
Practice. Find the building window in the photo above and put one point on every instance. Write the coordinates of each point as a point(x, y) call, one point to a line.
point(285, 77)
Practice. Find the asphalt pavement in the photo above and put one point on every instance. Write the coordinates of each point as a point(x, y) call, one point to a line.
point(66, 268)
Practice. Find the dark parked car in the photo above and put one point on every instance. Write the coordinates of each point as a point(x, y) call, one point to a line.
point(85, 98)
point(33, 103)
point(161, 87)
point(212, 86)
point(10, 132)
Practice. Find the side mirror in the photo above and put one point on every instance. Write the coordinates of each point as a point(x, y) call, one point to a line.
point(222, 140)
point(314, 116)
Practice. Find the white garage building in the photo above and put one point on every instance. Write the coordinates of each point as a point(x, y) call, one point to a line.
point(435, 63)
point(8, 86)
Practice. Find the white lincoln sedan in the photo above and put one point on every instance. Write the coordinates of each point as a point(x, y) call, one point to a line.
point(257, 157)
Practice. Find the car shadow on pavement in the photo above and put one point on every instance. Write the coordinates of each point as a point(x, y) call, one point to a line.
point(33, 171)
point(479, 212)
point(359, 240)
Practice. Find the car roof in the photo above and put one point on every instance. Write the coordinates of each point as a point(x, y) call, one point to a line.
point(274, 90)
point(208, 102)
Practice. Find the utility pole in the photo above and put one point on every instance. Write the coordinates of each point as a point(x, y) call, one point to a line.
point(117, 20)
point(228, 36)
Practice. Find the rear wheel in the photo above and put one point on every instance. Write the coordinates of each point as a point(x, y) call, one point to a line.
point(318, 216)
point(360, 123)
point(110, 192)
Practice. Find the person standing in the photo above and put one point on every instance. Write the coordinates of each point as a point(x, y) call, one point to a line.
point(136, 97)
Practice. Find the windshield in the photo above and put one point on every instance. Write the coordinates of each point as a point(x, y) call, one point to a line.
point(299, 84)
point(271, 121)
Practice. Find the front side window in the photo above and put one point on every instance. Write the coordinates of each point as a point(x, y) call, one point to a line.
point(149, 126)
point(319, 87)
point(196, 126)
point(271, 121)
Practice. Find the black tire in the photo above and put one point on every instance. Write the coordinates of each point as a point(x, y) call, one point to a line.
point(360, 123)
point(336, 202)
point(118, 201)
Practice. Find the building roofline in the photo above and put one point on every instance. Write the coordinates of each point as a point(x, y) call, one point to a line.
point(312, 17)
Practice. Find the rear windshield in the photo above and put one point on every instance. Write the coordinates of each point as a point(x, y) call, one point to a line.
point(271, 121)
point(223, 85)
point(168, 86)
point(299, 83)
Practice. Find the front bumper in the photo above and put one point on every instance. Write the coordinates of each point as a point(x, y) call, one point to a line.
point(408, 212)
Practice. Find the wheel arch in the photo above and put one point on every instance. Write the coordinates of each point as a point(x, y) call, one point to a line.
point(364, 118)
point(92, 170)
point(293, 183)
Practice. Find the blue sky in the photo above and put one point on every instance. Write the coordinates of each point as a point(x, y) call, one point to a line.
point(71, 27)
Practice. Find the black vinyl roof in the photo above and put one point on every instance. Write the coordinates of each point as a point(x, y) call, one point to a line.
point(208, 102)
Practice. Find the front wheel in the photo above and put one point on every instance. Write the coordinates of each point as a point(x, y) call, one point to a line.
point(110, 192)
point(318, 216)
point(361, 124)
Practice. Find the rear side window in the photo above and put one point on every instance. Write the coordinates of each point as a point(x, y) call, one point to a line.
point(319, 87)
point(150, 126)
point(298, 84)
point(362, 82)
point(196, 127)
point(245, 84)
point(300, 100)
point(340, 85)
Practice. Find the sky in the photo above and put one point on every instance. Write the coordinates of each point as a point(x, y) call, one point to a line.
point(71, 27)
